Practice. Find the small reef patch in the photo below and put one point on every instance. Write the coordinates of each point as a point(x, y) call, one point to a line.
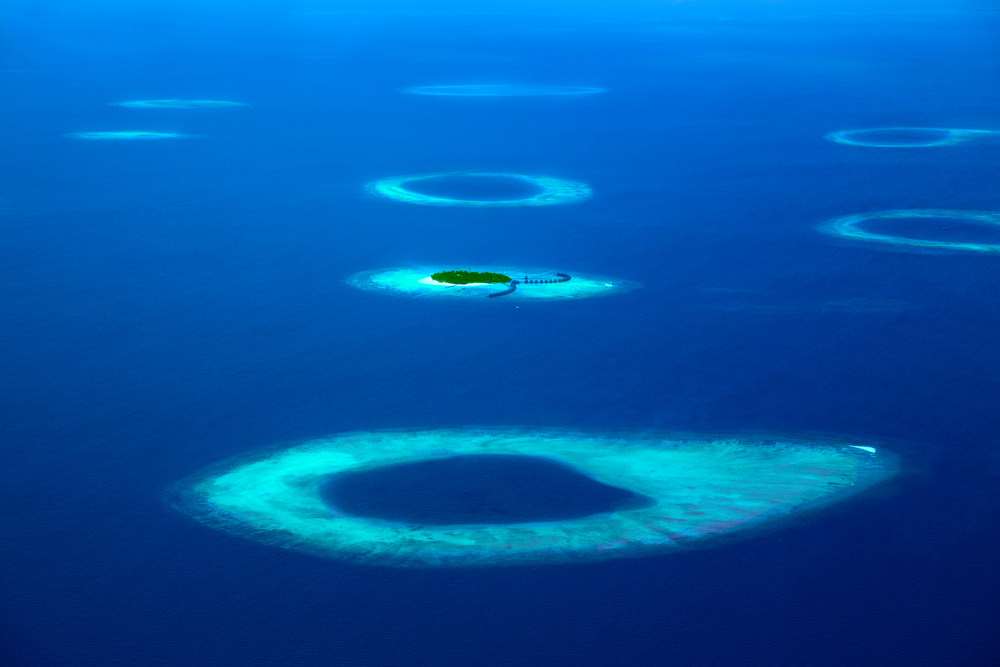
point(177, 104)
point(126, 136)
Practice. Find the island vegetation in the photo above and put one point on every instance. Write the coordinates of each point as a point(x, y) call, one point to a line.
point(467, 277)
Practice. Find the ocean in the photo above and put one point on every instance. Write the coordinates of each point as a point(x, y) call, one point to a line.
point(172, 303)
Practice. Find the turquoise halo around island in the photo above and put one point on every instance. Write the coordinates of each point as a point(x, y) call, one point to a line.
point(909, 137)
point(685, 492)
point(852, 227)
point(502, 90)
point(550, 191)
point(126, 136)
point(531, 284)
point(177, 104)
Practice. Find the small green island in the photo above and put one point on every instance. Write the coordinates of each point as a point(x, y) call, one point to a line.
point(485, 281)
point(468, 277)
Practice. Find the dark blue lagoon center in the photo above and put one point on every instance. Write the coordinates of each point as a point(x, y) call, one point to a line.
point(475, 489)
point(936, 229)
point(474, 187)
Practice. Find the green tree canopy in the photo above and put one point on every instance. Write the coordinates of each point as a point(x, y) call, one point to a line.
point(466, 277)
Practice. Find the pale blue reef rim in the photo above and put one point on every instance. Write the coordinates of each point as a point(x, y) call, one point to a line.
point(125, 136)
point(554, 191)
point(177, 104)
point(702, 487)
point(949, 137)
point(502, 90)
point(850, 227)
point(405, 281)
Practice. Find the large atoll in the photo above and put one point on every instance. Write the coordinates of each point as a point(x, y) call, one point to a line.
point(534, 284)
point(687, 490)
point(502, 90)
point(853, 227)
point(546, 191)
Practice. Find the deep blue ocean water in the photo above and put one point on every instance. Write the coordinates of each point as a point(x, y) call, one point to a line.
point(169, 304)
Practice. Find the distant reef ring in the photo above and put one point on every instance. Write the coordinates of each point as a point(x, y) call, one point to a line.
point(502, 90)
point(852, 227)
point(529, 284)
point(909, 137)
point(126, 136)
point(698, 489)
point(177, 104)
point(551, 191)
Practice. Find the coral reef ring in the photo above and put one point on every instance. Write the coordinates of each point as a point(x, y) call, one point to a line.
point(696, 488)
point(939, 136)
point(850, 226)
point(552, 191)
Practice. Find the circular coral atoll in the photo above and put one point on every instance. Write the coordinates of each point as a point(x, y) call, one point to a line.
point(177, 104)
point(931, 220)
point(531, 284)
point(909, 137)
point(660, 493)
point(126, 136)
point(480, 189)
point(502, 90)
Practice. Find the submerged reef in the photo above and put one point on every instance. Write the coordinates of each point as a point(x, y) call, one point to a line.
point(852, 227)
point(909, 137)
point(502, 90)
point(125, 136)
point(177, 104)
point(539, 284)
point(548, 191)
point(685, 491)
